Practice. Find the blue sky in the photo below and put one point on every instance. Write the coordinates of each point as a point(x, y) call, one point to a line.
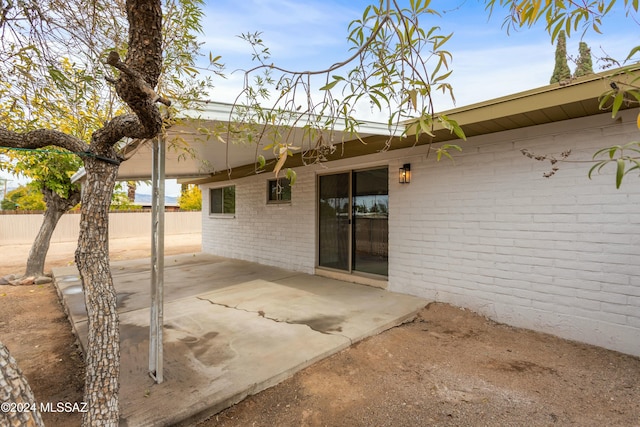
point(487, 62)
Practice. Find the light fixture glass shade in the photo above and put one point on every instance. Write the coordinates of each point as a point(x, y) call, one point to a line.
point(404, 174)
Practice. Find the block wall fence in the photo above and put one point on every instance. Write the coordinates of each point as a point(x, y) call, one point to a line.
point(21, 229)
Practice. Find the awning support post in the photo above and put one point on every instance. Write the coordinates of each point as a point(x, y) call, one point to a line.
point(157, 259)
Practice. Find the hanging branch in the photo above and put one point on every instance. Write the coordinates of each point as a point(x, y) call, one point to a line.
point(546, 157)
point(396, 65)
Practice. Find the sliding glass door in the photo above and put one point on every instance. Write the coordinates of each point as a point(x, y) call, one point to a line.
point(334, 219)
point(370, 203)
point(353, 221)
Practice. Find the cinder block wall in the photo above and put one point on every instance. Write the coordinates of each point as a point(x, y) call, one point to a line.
point(559, 255)
point(22, 229)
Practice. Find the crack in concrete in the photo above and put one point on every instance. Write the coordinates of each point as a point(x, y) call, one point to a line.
point(274, 319)
point(288, 276)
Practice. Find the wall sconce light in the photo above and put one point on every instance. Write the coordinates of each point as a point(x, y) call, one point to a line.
point(404, 176)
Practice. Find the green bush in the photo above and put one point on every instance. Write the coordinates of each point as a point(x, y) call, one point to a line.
point(24, 198)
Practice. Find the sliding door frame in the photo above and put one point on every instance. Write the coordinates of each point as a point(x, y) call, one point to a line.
point(350, 232)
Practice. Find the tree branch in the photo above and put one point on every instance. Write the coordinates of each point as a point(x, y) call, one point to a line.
point(333, 67)
point(136, 77)
point(139, 75)
point(40, 138)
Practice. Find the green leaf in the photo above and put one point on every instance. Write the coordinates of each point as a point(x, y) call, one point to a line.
point(604, 99)
point(454, 146)
point(329, 85)
point(375, 101)
point(425, 126)
point(291, 176)
point(600, 151)
point(593, 168)
point(555, 32)
point(442, 151)
point(442, 77)
point(617, 103)
point(413, 98)
point(619, 172)
point(459, 132)
point(261, 162)
point(633, 52)
point(637, 166)
point(441, 40)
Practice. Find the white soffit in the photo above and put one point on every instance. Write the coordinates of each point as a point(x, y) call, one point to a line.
point(209, 155)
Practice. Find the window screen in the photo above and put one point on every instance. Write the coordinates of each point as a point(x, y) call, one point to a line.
point(223, 200)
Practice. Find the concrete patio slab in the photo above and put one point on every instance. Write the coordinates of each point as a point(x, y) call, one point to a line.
point(231, 329)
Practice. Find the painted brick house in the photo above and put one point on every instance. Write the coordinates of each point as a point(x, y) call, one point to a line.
point(486, 232)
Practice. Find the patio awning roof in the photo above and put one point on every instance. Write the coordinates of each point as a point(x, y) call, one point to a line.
point(552, 103)
point(208, 156)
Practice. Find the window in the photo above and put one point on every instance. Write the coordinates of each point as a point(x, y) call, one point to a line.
point(223, 200)
point(279, 191)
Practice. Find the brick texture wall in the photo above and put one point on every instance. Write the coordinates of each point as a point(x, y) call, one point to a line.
point(281, 235)
point(559, 255)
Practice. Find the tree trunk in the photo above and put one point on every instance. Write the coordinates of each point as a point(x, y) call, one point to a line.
point(92, 258)
point(135, 83)
point(135, 86)
point(15, 392)
point(131, 191)
point(56, 207)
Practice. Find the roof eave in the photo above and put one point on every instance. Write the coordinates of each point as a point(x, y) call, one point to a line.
point(575, 98)
point(552, 103)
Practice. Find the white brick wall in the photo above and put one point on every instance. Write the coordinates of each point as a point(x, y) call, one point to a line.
point(488, 232)
point(281, 235)
point(559, 255)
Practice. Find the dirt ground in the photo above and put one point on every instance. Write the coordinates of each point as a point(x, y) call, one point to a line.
point(449, 367)
point(35, 328)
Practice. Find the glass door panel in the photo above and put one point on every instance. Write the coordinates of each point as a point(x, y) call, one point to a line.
point(370, 203)
point(334, 219)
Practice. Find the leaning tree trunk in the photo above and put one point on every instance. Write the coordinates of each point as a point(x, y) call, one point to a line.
point(138, 76)
point(131, 191)
point(19, 406)
point(135, 86)
point(92, 258)
point(56, 207)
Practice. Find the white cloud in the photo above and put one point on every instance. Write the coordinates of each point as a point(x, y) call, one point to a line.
point(292, 31)
point(483, 74)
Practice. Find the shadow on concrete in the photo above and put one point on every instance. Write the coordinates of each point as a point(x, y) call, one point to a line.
point(231, 329)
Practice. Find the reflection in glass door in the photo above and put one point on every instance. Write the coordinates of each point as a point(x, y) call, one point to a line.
point(334, 214)
point(371, 221)
point(353, 221)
